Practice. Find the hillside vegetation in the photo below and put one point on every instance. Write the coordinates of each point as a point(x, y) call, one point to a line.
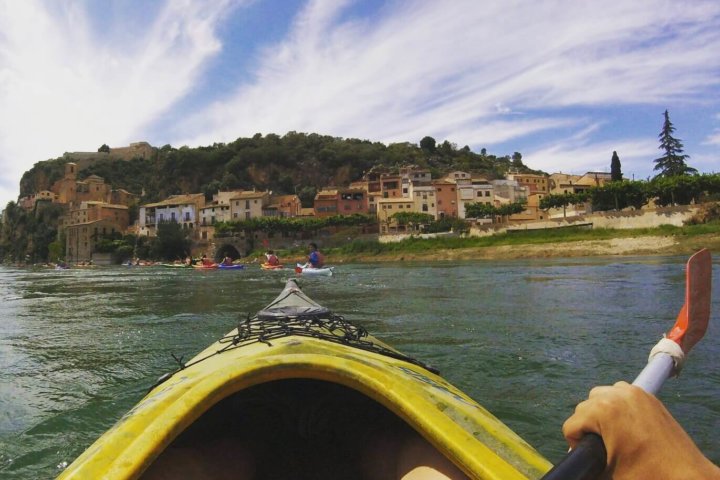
point(294, 163)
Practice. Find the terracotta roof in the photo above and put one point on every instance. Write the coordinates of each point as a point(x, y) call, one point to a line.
point(104, 204)
point(245, 195)
point(177, 200)
point(282, 198)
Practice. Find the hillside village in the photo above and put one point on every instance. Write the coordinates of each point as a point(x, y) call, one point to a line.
point(95, 210)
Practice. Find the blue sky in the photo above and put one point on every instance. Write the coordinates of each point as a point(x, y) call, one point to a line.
point(563, 82)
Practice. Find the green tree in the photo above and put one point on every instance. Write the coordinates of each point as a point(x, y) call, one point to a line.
point(517, 162)
point(14, 233)
point(104, 148)
point(172, 241)
point(673, 162)
point(486, 210)
point(562, 200)
point(615, 169)
point(428, 144)
point(414, 219)
point(480, 210)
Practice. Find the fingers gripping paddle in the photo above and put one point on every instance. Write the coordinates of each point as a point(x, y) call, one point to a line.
point(589, 458)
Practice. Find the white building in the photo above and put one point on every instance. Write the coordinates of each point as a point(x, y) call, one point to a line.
point(477, 190)
point(183, 209)
point(509, 191)
point(219, 209)
point(424, 199)
point(247, 205)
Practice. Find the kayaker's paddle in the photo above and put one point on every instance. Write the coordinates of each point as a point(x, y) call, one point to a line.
point(589, 458)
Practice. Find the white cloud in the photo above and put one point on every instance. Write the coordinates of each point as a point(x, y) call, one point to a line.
point(714, 138)
point(475, 73)
point(63, 89)
point(580, 158)
point(452, 69)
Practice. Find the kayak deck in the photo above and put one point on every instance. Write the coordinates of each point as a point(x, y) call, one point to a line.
point(298, 392)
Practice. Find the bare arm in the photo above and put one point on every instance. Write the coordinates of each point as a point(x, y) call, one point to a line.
point(641, 437)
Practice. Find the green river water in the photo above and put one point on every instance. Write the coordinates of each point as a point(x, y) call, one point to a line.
point(526, 339)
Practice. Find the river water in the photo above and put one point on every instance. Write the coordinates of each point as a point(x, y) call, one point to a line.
point(526, 339)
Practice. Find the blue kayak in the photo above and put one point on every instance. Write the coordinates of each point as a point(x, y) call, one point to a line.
point(234, 266)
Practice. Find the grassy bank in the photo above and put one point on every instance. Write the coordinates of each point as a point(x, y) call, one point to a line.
point(579, 241)
point(532, 237)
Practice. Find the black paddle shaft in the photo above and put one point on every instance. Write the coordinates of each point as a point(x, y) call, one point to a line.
point(585, 462)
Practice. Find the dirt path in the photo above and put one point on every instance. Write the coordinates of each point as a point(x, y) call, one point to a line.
point(645, 245)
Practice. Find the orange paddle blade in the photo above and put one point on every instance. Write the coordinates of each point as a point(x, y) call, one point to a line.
point(692, 321)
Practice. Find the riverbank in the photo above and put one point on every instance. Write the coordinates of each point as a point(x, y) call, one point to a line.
point(646, 245)
point(549, 244)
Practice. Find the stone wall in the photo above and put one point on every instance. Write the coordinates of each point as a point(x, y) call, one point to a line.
point(134, 150)
point(650, 218)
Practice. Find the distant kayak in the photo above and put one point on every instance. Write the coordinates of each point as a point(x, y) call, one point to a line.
point(175, 265)
point(267, 266)
point(209, 266)
point(324, 271)
point(234, 266)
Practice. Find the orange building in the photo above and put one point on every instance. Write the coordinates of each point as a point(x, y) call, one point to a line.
point(90, 223)
point(341, 201)
point(446, 195)
point(72, 191)
point(285, 205)
point(535, 183)
point(28, 203)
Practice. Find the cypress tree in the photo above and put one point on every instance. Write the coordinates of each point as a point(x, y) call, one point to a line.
point(615, 170)
point(671, 164)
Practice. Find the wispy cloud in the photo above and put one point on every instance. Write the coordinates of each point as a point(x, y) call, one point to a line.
point(570, 157)
point(714, 137)
point(541, 75)
point(456, 69)
point(62, 88)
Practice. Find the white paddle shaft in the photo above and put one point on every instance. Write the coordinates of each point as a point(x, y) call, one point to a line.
point(652, 377)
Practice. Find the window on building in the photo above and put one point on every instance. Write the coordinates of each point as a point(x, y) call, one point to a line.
point(247, 203)
point(424, 207)
point(487, 193)
point(247, 215)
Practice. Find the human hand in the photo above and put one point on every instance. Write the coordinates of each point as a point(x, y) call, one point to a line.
point(642, 439)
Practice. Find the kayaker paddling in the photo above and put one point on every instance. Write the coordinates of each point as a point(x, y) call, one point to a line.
point(315, 258)
point(624, 432)
point(642, 438)
point(271, 258)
